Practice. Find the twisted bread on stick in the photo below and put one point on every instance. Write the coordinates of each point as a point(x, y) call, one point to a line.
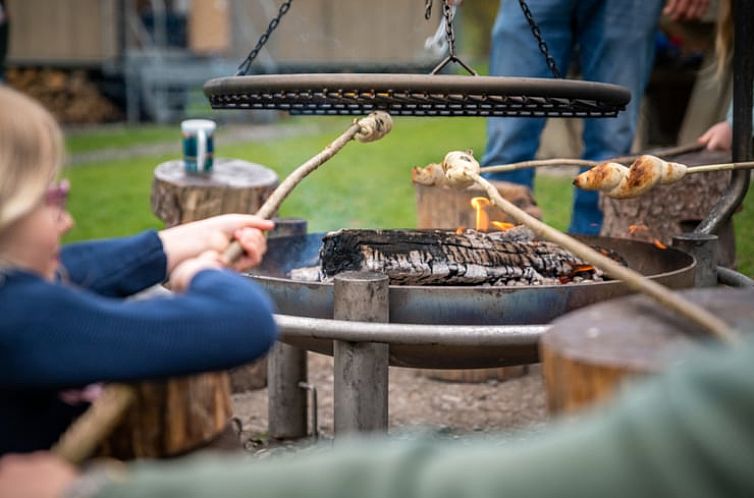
point(617, 181)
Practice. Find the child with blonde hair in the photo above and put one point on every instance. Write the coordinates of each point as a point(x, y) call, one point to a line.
point(64, 322)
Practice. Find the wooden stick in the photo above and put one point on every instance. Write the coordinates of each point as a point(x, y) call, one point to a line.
point(538, 163)
point(633, 279)
point(95, 424)
point(234, 251)
point(704, 168)
point(83, 436)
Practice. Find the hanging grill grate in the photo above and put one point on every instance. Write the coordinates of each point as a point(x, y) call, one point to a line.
point(417, 94)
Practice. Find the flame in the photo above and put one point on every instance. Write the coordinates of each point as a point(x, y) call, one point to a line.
point(583, 268)
point(460, 230)
point(482, 219)
point(633, 229)
point(659, 244)
point(502, 225)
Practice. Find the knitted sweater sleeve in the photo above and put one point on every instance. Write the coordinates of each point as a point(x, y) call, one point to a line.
point(58, 335)
point(116, 267)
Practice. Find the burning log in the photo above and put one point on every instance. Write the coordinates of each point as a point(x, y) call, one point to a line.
point(439, 257)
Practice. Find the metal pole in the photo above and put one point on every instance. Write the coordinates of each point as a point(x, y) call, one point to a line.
point(286, 369)
point(743, 78)
point(704, 248)
point(361, 368)
point(286, 405)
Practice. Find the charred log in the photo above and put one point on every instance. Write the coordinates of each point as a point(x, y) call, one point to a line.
point(438, 257)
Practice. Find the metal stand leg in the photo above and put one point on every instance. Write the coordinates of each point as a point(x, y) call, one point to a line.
point(704, 248)
point(361, 368)
point(286, 410)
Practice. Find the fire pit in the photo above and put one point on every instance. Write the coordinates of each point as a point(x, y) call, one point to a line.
point(464, 305)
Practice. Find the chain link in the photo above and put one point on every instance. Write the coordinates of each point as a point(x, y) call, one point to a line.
point(243, 69)
point(540, 40)
point(450, 35)
point(427, 9)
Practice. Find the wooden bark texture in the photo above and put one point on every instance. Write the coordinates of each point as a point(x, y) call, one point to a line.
point(590, 354)
point(444, 207)
point(669, 210)
point(234, 187)
point(439, 257)
point(172, 417)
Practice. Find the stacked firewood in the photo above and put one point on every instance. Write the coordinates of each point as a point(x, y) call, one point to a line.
point(69, 95)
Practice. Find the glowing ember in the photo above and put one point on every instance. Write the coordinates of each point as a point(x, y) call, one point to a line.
point(659, 244)
point(502, 225)
point(482, 219)
point(460, 230)
point(583, 268)
point(634, 229)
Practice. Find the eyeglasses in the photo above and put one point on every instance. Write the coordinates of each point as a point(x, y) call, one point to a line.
point(57, 195)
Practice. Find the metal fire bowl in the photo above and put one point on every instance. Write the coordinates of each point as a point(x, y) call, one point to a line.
point(472, 306)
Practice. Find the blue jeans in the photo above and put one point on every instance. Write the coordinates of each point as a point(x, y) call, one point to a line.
point(615, 40)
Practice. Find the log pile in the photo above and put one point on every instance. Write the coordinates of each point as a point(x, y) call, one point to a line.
point(69, 95)
point(439, 257)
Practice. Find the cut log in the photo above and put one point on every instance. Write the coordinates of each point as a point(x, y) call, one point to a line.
point(234, 187)
point(445, 207)
point(590, 354)
point(438, 257)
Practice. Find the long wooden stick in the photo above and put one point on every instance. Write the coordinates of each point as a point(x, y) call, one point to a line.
point(95, 424)
point(705, 168)
point(538, 163)
point(633, 279)
point(234, 251)
point(83, 436)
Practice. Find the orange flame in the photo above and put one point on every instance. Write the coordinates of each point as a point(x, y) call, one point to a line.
point(460, 230)
point(583, 268)
point(633, 229)
point(659, 244)
point(482, 219)
point(502, 225)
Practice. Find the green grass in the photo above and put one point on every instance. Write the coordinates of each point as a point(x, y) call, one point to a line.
point(365, 185)
point(119, 137)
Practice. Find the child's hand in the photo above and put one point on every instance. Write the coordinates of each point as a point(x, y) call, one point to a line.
point(181, 277)
point(718, 137)
point(187, 241)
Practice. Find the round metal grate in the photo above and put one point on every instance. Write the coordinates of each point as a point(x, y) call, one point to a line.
point(417, 95)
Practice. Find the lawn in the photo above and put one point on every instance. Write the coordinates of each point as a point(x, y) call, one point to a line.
point(365, 185)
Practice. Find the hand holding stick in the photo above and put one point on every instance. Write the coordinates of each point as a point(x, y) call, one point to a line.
point(83, 436)
point(465, 171)
point(368, 129)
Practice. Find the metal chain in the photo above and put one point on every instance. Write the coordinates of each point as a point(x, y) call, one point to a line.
point(450, 35)
point(243, 69)
point(540, 41)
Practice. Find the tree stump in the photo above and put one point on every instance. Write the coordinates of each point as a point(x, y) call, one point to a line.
point(590, 354)
point(450, 208)
point(669, 210)
point(444, 207)
point(233, 187)
point(178, 415)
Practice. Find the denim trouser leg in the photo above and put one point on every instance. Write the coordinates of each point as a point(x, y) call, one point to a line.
point(515, 53)
point(616, 39)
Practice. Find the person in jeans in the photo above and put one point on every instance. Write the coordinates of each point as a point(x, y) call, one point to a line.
point(614, 41)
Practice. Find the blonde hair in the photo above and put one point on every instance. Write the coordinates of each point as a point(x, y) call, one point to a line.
point(31, 154)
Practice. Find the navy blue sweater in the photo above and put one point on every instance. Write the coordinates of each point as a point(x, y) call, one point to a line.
point(62, 335)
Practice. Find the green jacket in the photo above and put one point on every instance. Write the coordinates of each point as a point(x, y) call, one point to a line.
point(688, 434)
